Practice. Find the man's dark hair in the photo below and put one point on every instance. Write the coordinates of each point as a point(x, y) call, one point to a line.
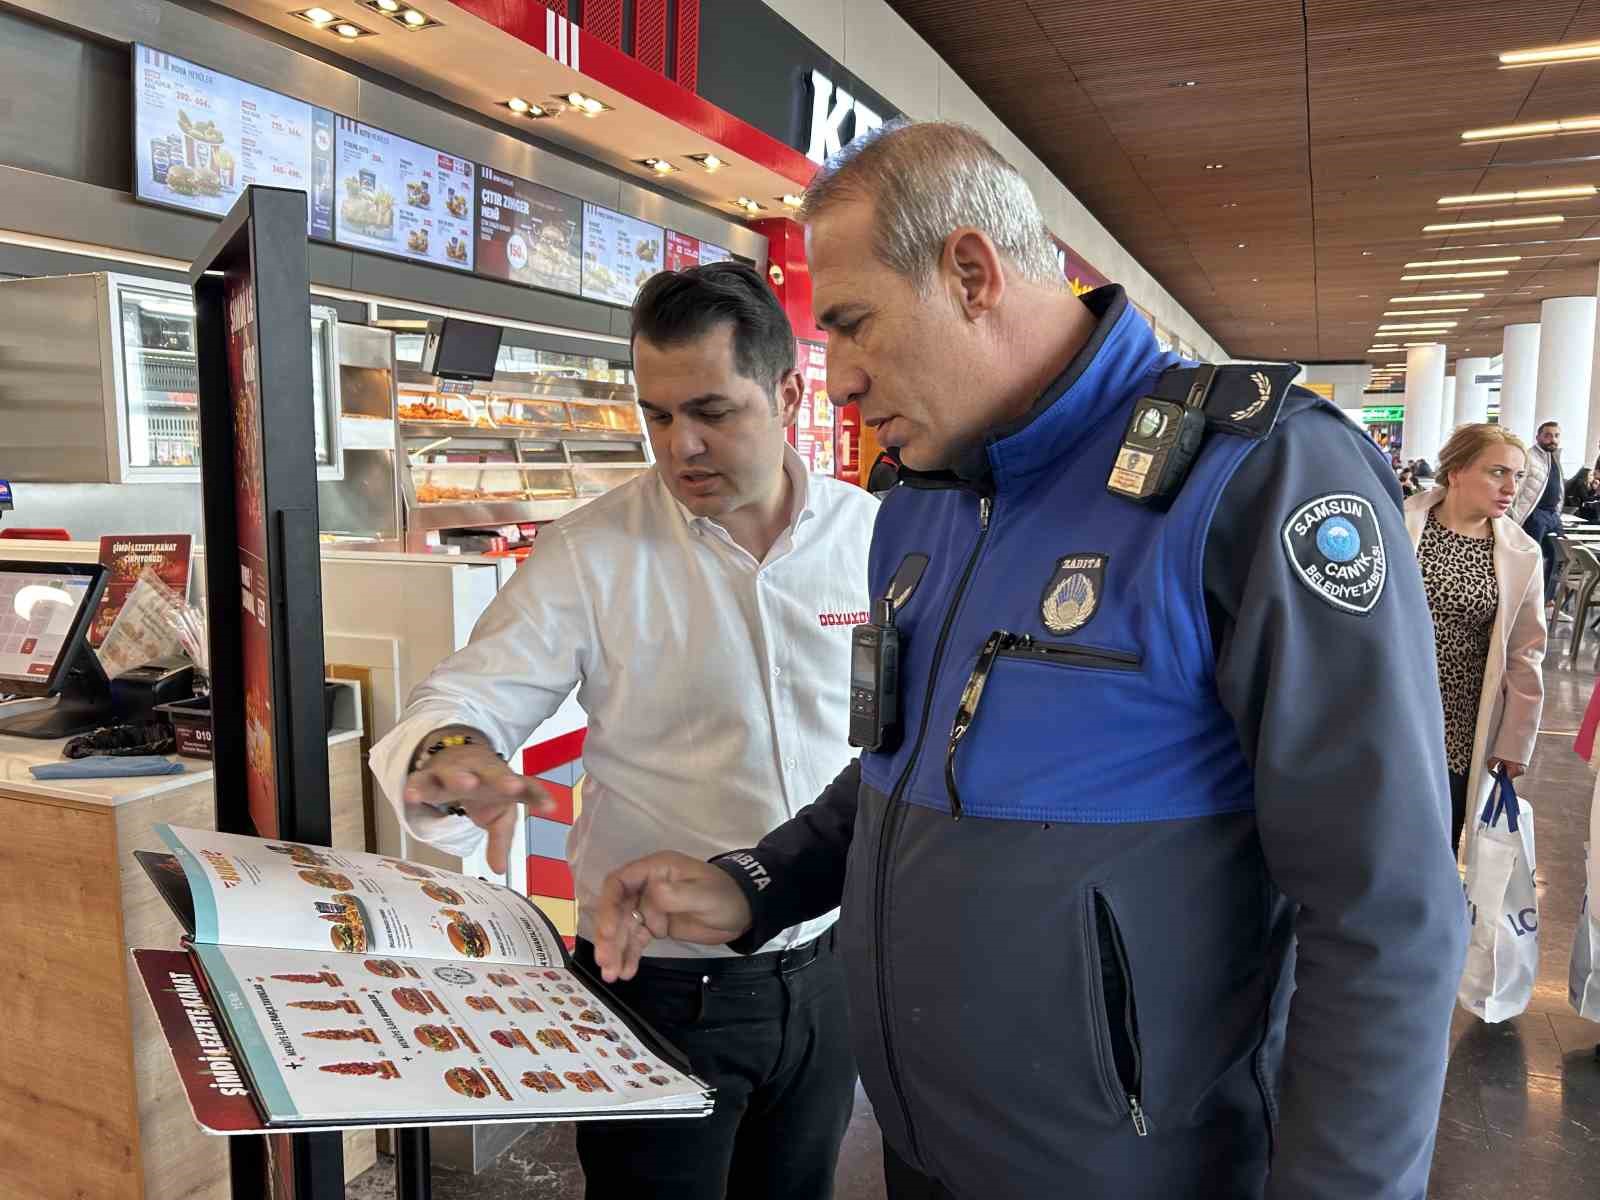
point(675, 307)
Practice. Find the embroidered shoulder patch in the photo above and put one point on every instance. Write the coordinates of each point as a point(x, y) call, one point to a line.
point(1335, 548)
point(1072, 593)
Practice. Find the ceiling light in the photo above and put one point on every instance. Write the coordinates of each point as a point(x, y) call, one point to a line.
point(659, 165)
point(388, 6)
point(1420, 327)
point(1503, 223)
point(1437, 296)
point(1366, 254)
point(1551, 55)
point(1414, 345)
point(1532, 129)
point(709, 161)
point(1424, 312)
point(1241, 245)
point(790, 200)
point(1571, 191)
point(1230, 204)
point(400, 13)
point(1381, 349)
point(1215, 166)
point(349, 31)
point(518, 105)
point(747, 204)
point(587, 105)
point(316, 16)
point(1183, 83)
point(1462, 262)
point(1456, 275)
point(414, 19)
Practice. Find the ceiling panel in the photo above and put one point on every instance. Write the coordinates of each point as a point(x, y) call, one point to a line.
point(1337, 125)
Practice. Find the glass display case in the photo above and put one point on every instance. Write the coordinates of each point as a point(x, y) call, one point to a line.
point(157, 385)
point(550, 432)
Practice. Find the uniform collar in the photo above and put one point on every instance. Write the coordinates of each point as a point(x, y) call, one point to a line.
point(800, 510)
point(1120, 352)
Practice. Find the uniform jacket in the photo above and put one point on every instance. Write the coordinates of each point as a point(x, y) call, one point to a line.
point(1082, 985)
point(1513, 687)
point(1533, 483)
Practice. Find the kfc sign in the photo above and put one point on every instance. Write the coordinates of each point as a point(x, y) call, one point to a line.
point(831, 107)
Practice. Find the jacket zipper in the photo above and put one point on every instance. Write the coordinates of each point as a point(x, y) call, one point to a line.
point(1128, 1068)
point(891, 820)
point(1024, 646)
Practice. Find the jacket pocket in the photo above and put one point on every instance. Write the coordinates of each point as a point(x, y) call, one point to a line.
point(1116, 1014)
point(1067, 654)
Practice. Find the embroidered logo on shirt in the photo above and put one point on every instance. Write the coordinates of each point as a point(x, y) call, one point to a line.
point(847, 619)
point(1072, 595)
point(1335, 548)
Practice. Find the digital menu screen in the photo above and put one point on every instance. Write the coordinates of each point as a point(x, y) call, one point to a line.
point(683, 251)
point(201, 138)
point(399, 197)
point(619, 254)
point(528, 233)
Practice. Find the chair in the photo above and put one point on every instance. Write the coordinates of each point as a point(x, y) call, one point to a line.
point(1568, 574)
point(1589, 565)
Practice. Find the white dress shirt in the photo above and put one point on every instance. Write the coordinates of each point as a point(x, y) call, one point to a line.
point(716, 687)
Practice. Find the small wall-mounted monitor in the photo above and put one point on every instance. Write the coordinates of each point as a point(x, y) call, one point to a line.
point(457, 349)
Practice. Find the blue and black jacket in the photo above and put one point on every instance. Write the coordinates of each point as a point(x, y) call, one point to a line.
point(1206, 769)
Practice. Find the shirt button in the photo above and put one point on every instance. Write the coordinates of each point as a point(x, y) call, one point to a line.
point(790, 764)
point(776, 671)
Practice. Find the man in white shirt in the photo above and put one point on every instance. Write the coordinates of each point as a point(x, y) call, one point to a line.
point(703, 611)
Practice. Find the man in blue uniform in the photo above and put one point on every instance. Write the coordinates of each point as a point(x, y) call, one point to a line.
point(1151, 894)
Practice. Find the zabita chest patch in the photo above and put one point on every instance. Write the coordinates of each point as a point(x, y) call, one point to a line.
point(1335, 548)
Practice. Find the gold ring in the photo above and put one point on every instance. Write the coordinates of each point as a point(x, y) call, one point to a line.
point(638, 916)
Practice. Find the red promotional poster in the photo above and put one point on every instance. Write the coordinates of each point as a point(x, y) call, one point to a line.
point(244, 387)
point(683, 252)
point(814, 427)
point(125, 559)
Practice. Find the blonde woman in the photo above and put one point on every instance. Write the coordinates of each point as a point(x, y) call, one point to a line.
point(1486, 592)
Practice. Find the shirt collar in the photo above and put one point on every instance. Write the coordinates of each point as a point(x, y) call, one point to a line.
point(800, 510)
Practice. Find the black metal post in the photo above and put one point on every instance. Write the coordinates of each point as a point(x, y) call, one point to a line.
point(413, 1165)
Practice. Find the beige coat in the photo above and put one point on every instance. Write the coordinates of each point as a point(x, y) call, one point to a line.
point(1513, 688)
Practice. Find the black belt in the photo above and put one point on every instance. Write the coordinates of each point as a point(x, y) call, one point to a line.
point(774, 962)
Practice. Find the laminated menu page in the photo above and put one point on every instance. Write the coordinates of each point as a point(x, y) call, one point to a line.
point(323, 989)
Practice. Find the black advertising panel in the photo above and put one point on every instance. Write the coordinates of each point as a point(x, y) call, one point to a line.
point(528, 233)
point(619, 254)
point(403, 198)
point(263, 576)
point(202, 137)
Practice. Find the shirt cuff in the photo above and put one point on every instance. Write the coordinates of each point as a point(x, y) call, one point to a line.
point(390, 761)
point(745, 869)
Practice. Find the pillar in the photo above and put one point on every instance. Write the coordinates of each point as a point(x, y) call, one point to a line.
point(1566, 364)
point(1419, 436)
point(1472, 397)
point(1447, 410)
point(1519, 379)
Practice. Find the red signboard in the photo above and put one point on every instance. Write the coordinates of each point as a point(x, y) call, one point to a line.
point(683, 252)
point(1080, 276)
point(244, 389)
point(814, 428)
point(125, 559)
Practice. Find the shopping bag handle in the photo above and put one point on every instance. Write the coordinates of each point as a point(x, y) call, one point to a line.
point(1502, 799)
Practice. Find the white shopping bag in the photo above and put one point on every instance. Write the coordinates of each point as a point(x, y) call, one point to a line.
point(1583, 977)
point(1503, 951)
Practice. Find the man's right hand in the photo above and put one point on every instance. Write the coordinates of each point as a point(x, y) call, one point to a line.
point(667, 895)
point(477, 780)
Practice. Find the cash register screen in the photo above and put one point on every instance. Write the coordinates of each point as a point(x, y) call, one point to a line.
point(39, 609)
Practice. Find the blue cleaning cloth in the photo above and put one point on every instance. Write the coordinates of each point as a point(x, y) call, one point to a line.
point(107, 766)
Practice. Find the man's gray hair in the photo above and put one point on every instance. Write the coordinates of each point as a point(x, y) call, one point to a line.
point(927, 179)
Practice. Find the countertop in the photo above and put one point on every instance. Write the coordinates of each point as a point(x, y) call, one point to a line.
point(18, 754)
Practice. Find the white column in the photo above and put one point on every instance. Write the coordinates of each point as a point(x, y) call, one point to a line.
point(1566, 363)
point(1447, 410)
point(1419, 436)
point(1519, 379)
point(1584, 452)
point(1472, 397)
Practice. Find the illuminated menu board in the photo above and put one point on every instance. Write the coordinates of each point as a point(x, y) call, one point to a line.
point(684, 251)
point(202, 137)
point(400, 197)
point(619, 254)
point(528, 233)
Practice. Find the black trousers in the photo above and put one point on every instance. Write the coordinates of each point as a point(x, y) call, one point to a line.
point(770, 1033)
point(902, 1181)
point(1543, 525)
point(1458, 809)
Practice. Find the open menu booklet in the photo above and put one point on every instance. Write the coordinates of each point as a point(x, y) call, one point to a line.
point(325, 989)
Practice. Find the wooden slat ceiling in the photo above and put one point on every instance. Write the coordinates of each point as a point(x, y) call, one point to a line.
point(1338, 125)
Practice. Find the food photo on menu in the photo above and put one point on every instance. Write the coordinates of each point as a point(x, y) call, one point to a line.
point(401, 197)
point(344, 988)
point(619, 254)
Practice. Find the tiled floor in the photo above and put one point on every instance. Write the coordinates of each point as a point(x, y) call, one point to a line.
point(1521, 1114)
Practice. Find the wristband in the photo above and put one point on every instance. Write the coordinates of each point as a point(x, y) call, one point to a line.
point(448, 742)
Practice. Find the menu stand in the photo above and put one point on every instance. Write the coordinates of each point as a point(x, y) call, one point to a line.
point(264, 586)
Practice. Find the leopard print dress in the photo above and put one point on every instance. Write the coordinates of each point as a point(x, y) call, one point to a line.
point(1463, 594)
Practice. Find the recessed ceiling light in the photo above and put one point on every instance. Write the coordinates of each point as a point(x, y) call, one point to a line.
point(1437, 296)
point(1503, 223)
point(747, 204)
point(316, 16)
point(1255, 279)
point(1366, 254)
point(518, 105)
point(1241, 245)
point(1462, 262)
point(1424, 312)
point(402, 14)
point(1381, 349)
point(388, 6)
point(790, 200)
point(587, 105)
point(709, 161)
point(1215, 166)
point(1183, 83)
point(1532, 129)
point(1417, 327)
point(1362, 296)
point(659, 165)
point(1492, 274)
point(1569, 192)
point(1551, 55)
point(414, 19)
point(350, 31)
point(1230, 204)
